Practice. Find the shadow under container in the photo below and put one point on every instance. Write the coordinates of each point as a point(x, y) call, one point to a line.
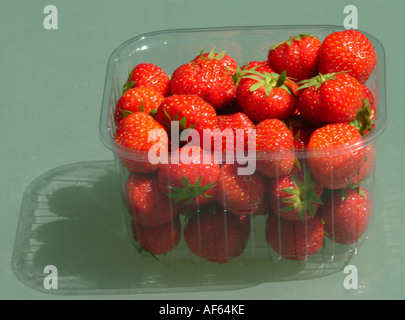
point(172, 48)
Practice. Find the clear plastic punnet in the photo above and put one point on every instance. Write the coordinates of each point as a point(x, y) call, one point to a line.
point(249, 226)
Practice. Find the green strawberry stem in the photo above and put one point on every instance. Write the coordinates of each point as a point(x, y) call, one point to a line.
point(363, 121)
point(189, 191)
point(302, 197)
point(289, 41)
point(128, 84)
point(317, 81)
point(268, 81)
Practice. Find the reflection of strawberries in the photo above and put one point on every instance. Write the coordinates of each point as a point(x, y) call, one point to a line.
point(346, 215)
point(146, 203)
point(240, 194)
point(217, 235)
point(157, 240)
point(294, 240)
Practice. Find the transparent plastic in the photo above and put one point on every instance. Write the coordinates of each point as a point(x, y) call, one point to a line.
point(258, 261)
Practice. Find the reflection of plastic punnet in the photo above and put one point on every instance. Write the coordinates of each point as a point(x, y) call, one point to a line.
point(253, 155)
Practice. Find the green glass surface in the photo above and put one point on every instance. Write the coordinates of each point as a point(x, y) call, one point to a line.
point(59, 199)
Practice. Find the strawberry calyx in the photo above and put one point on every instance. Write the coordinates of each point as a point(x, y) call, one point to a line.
point(363, 121)
point(241, 72)
point(212, 54)
point(189, 191)
point(268, 81)
point(317, 81)
point(129, 83)
point(302, 197)
point(182, 121)
point(125, 113)
point(290, 40)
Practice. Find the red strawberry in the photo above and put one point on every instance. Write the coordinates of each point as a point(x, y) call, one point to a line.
point(329, 98)
point(240, 194)
point(301, 130)
point(266, 95)
point(274, 143)
point(368, 166)
point(192, 112)
point(226, 59)
point(365, 119)
point(295, 240)
point(148, 75)
point(259, 66)
point(346, 216)
point(157, 240)
point(217, 235)
point(298, 56)
point(137, 99)
point(295, 196)
point(350, 51)
point(235, 129)
point(135, 135)
point(338, 154)
point(191, 180)
point(146, 203)
point(206, 78)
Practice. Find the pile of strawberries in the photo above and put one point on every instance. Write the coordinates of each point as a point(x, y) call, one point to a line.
point(308, 96)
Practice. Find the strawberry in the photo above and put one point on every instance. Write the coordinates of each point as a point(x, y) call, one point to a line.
point(274, 143)
point(298, 56)
point(157, 240)
point(226, 59)
point(148, 75)
point(132, 136)
point(191, 180)
point(137, 99)
point(329, 98)
point(240, 194)
point(338, 154)
point(192, 112)
point(146, 203)
point(235, 129)
point(217, 235)
point(346, 216)
point(365, 119)
point(295, 196)
point(301, 130)
point(266, 95)
point(207, 78)
point(368, 166)
point(350, 51)
point(259, 66)
point(294, 240)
